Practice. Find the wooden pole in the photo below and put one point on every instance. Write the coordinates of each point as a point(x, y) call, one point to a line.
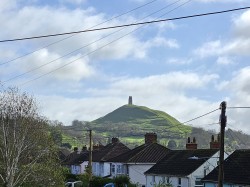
point(223, 121)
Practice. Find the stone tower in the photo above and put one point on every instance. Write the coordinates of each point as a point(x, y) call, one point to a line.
point(130, 101)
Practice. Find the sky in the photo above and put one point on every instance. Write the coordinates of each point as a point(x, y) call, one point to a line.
point(185, 67)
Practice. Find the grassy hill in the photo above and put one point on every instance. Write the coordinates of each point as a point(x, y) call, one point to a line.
point(137, 114)
point(131, 122)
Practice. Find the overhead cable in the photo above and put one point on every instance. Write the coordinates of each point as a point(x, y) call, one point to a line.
point(125, 25)
point(201, 115)
point(91, 52)
point(36, 68)
point(122, 14)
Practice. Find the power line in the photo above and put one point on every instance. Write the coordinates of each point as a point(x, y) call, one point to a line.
point(235, 107)
point(122, 14)
point(36, 68)
point(125, 25)
point(201, 115)
point(54, 70)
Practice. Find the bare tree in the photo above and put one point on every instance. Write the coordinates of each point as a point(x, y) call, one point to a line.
point(26, 150)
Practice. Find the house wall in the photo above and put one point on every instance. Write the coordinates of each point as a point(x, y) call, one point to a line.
point(83, 166)
point(103, 169)
point(106, 169)
point(206, 168)
point(98, 169)
point(136, 172)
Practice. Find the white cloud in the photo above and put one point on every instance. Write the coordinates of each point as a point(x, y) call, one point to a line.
point(240, 83)
point(77, 2)
point(242, 25)
point(179, 61)
point(6, 5)
point(223, 60)
point(171, 82)
point(162, 42)
point(74, 68)
point(208, 49)
point(162, 92)
point(239, 88)
point(238, 45)
point(49, 20)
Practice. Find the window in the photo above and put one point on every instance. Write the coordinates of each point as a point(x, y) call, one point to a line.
point(198, 182)
point(119, 169)
point(179, 182)
point(113, 168)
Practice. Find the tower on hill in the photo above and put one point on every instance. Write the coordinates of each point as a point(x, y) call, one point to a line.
point(130, 101)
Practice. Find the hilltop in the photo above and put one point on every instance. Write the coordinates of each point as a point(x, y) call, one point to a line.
point(131, 122)
point(141, 118)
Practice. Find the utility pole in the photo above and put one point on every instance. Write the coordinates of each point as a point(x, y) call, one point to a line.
point(90, 157)
point(223, 121)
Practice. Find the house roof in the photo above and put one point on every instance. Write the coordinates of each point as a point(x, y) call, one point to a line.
point(178, 162)
point(63, 153)
point(100, 155)
point(109, 151)
point(71, 158)
point(236, 168)
point(146, 153)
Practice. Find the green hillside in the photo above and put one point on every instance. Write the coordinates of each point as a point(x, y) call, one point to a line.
point(131, 122)
point(137, 114)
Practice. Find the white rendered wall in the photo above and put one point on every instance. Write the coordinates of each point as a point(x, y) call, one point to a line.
point(136, 173)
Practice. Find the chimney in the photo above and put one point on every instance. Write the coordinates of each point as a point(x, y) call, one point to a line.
point(84, 148)
point(75, 149)
point(130, 101)
point(215, 144)
point(114, 140)
point(96, 147)
point(191, 144)
point(150, 138)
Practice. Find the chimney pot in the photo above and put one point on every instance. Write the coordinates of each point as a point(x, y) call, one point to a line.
point(84, 148)
point(115, 140)
point(215, 144)
point(191, 145)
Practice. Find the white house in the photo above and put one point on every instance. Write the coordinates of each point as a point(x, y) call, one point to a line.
point(99, 165)
point(138, 160)
point(183, 168)
point(78, 161)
